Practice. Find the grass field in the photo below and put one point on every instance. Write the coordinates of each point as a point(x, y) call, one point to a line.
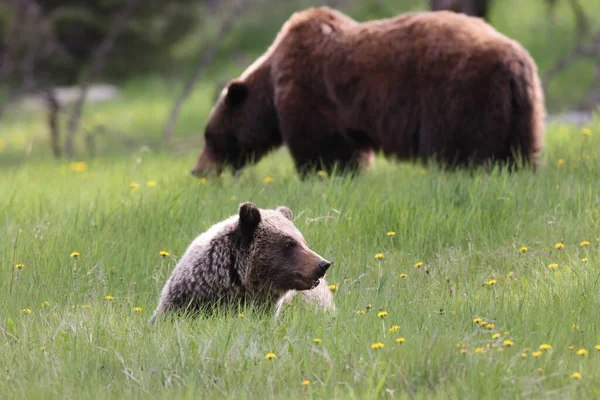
point(62, 337)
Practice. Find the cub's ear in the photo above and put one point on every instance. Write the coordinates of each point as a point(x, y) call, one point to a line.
point(237, 91)
point(249, 218)
point(286, 212)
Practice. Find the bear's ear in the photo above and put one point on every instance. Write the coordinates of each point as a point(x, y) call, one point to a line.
point(237, 91)
point(249, 218)
point(286, 212)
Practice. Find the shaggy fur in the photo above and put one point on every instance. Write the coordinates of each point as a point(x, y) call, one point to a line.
point(257, 256)
point(429, 86)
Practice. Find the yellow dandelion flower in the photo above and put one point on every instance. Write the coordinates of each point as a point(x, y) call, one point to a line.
point(368, 306)
point(553, 266)
point(134, 186)
point(545, 346)
point(523, 249)
point(202, 181)
point(477, 320)
point(317, 340)
point(403, 276)
point(523, 355)
point(42, 348)
point(597, 347)
point(360, 312)
point(305, 382)
point(391, 234)
point(74, 254)
point(86, 306)
point(463, 351)
point(268, 179)
point(582, 352)
point(151, 183)
point(45, 303)
point(379, 256)
point(571, 347)
point(584, 260)
point(490, 326)
point(109, 298)
point(19, 266)
point(559, 245)
point(241, 315)
point(510, 275)
point(164, 253)
point(333, 287)
point(586, 131)
point(270, 356)
point(576, 375)
point(137, 309)
point(419, 264)
point(394, 328)
point(495, 336)
point(382, 314)
point(540, 370)
point(491, 282)
point(322, 174)
point(233, 198)
point(508, 342)
point(377, 345)
point(560, 162)
point(400, 340)
point(26, 311)
point(479, 350)
point(575, 327)
point(78, 166)
point(584, 243)
point(536, 354)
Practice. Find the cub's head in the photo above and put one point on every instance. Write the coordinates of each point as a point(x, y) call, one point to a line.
point(279, 257)
point(241, 128)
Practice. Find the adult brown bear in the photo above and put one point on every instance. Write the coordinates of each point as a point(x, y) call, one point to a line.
point(434, 86)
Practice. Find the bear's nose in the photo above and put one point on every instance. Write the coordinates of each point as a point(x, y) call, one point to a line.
point(324, 266)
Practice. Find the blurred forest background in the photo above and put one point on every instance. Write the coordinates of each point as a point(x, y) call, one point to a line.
point(178, 48)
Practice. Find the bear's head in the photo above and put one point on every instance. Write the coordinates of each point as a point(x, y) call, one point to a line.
point(242, 126)
point(278, 257)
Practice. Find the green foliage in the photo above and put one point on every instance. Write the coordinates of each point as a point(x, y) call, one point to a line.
point(78, 27)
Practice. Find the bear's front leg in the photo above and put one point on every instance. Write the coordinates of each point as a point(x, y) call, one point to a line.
point(315, 139)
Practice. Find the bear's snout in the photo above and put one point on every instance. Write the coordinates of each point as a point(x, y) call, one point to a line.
point(206, 165)
point(324, 266)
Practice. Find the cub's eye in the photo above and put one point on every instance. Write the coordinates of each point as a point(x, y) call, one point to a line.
point(290, 245)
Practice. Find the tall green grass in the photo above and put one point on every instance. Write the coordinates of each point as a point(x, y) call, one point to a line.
point(467, 229)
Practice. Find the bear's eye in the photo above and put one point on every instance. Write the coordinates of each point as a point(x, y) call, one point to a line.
point(290, 244)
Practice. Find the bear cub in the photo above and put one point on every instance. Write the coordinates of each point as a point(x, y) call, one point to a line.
point(257, 256)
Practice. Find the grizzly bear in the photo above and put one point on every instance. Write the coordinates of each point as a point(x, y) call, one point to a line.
point(430, 86)
point(257, 257)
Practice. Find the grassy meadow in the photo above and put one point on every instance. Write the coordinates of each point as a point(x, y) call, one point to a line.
point(448, 285)
point(509, 263)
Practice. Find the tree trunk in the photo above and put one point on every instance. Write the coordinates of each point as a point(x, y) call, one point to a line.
point(477, 8)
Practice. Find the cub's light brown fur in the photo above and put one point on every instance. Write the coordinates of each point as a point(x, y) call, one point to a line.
point(422, 86)
point(257, 256)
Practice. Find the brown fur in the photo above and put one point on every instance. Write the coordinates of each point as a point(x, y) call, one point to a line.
point(257, 256)
point(424, 86)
